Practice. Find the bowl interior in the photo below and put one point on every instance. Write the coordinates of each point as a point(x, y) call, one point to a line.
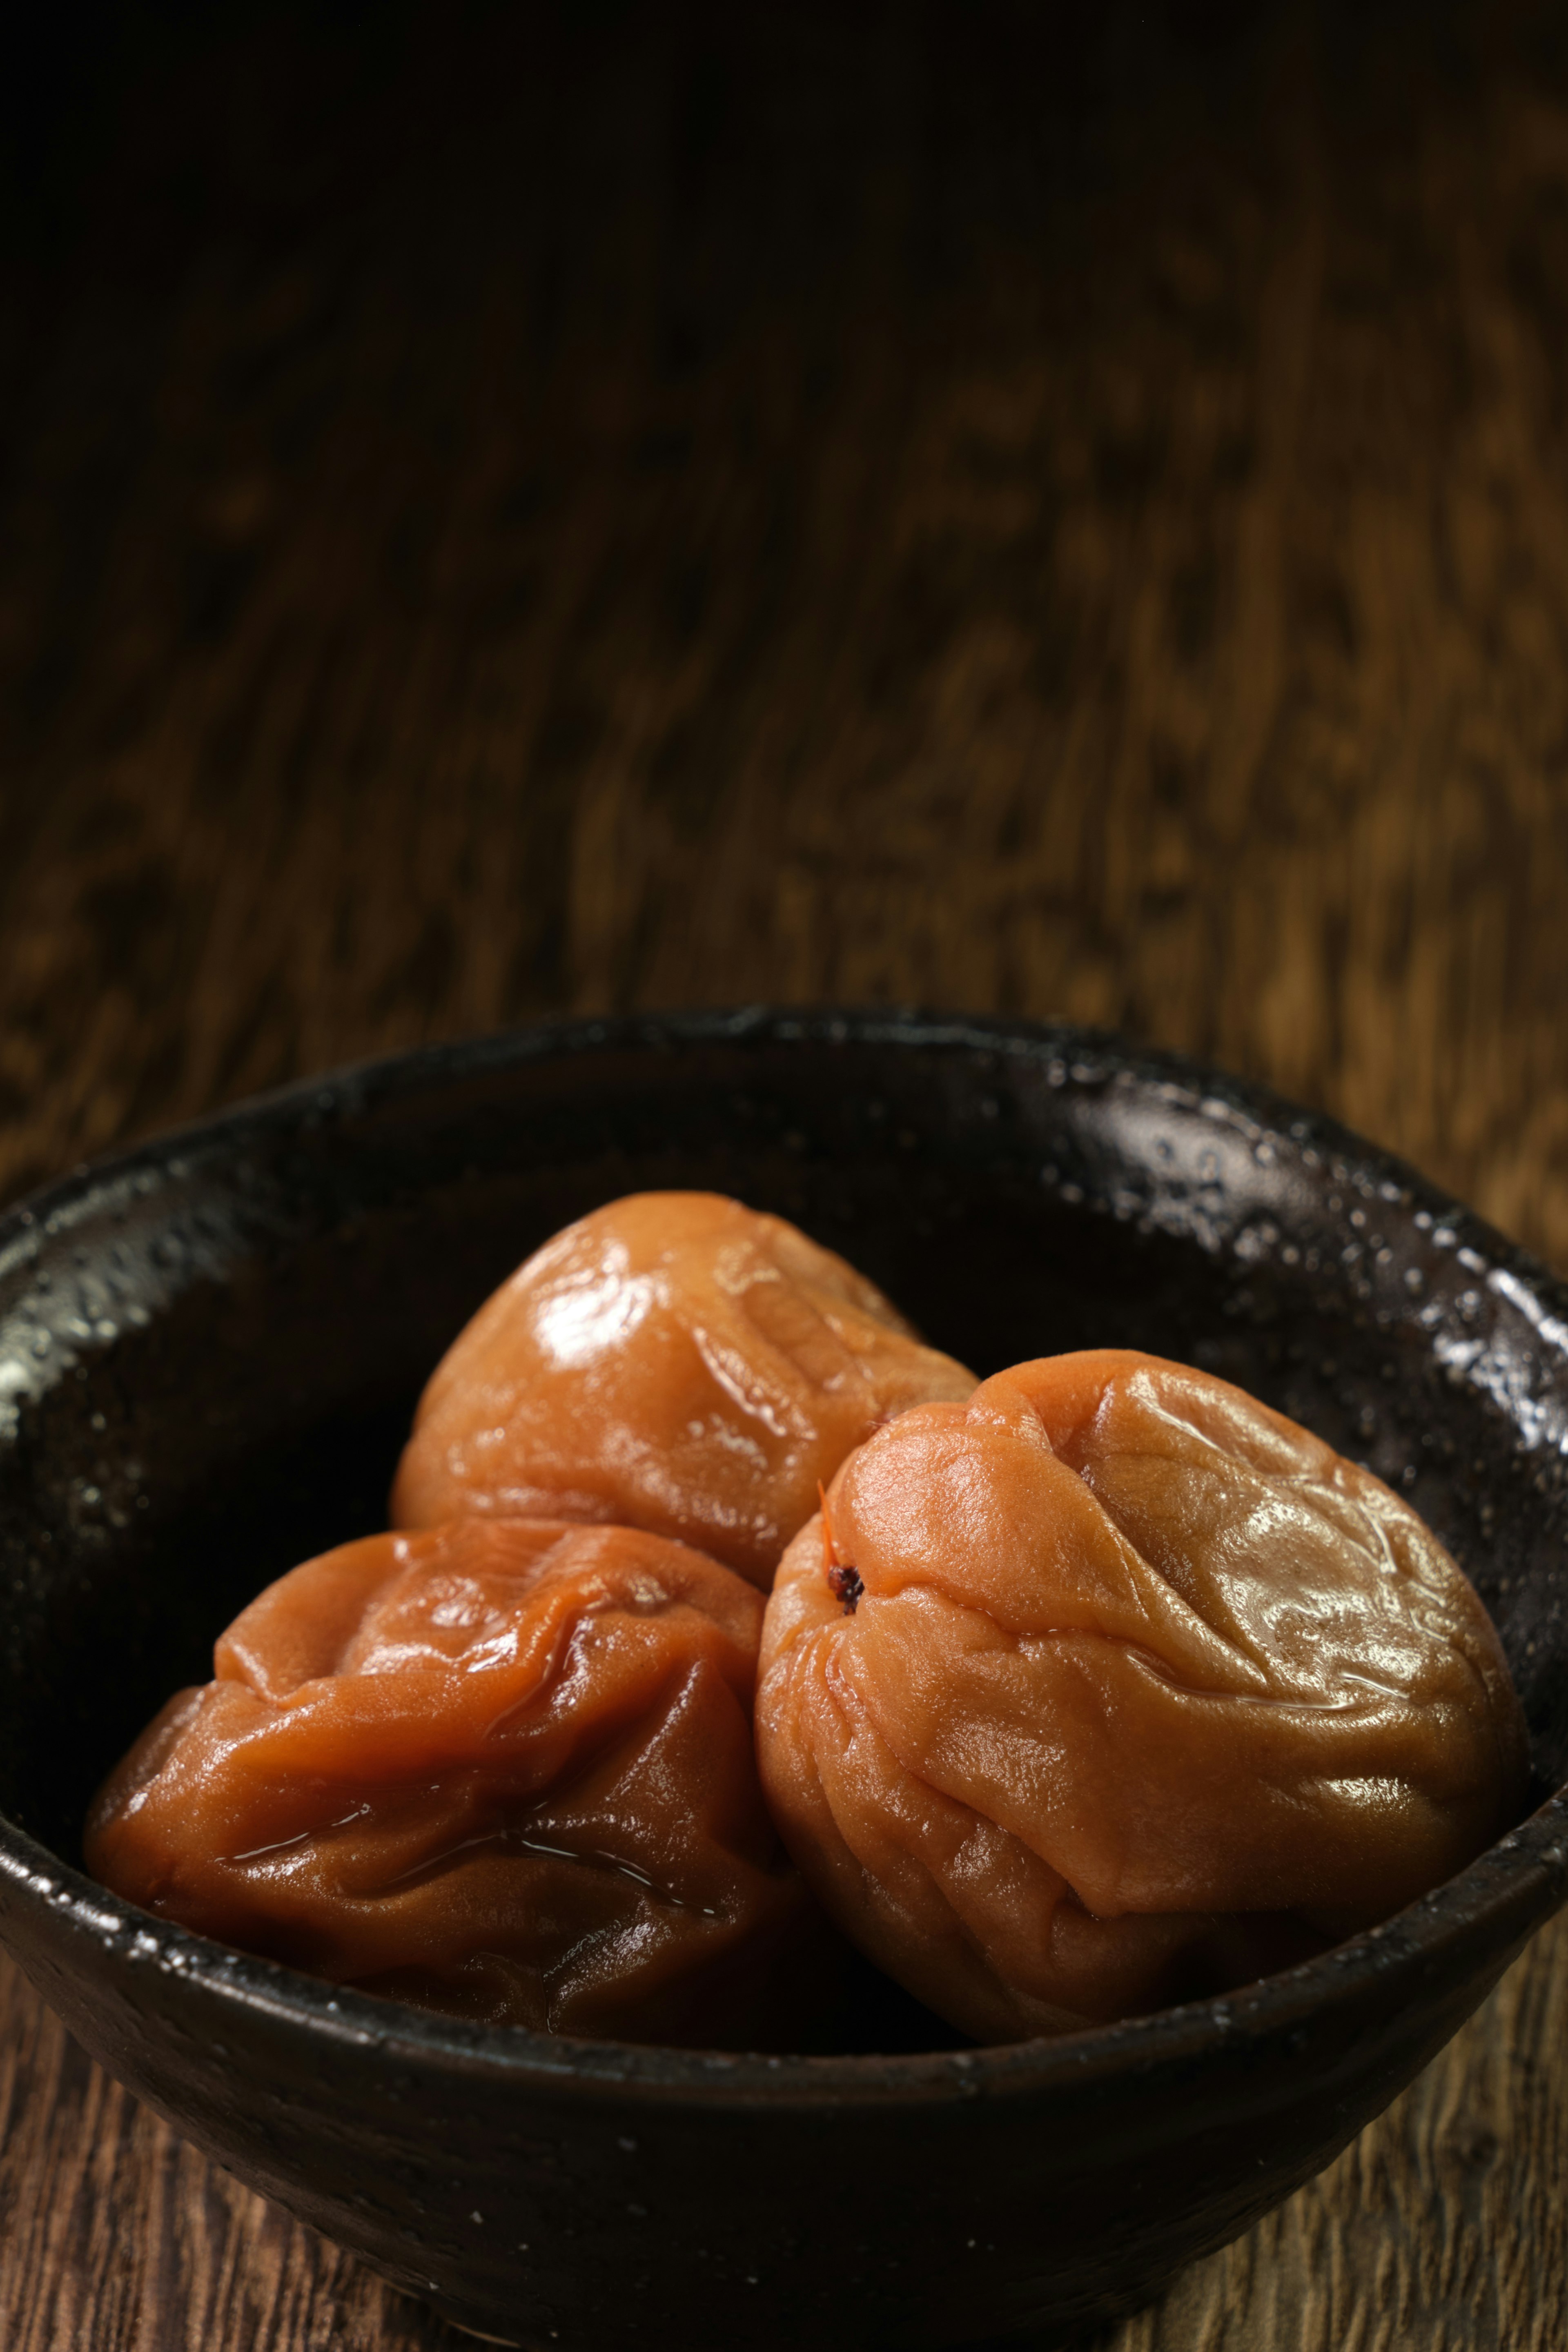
point(210, 1349)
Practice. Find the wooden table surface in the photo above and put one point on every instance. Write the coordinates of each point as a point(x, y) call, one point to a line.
point(521, 509)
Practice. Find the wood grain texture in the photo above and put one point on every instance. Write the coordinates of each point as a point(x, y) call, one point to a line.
point(1061, 511)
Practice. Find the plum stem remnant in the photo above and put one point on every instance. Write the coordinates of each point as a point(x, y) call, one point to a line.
point(845, 1585)
point(843, 1580)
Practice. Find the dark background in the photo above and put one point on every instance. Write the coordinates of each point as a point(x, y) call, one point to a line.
point(1055, 510)
point(1052, 509)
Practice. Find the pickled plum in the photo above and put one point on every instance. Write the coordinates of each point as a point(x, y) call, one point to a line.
point(674, 1362)
point(1112, 1687)
point(497, 1769)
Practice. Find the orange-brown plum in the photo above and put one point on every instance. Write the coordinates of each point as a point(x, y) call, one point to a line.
point(500, 1769)
point(673, 1361)
point(1112, 1687)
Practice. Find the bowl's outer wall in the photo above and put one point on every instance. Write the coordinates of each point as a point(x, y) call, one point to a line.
point(209, 1351)
point(597, 2205)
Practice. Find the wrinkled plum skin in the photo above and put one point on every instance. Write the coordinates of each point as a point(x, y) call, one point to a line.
point(1144, 1692)
point(674, 1362)
point(500, 1769)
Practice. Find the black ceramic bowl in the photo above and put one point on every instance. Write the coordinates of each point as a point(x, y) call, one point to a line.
point(209, 1348)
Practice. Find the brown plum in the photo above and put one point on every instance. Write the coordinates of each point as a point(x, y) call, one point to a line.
point(674, 1362)
point(499, 1768)
point(1112, 1687)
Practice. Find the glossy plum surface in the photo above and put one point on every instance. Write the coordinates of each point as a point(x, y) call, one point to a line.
point(675, 1362)
point(501, 1768)
point(1139, 1691)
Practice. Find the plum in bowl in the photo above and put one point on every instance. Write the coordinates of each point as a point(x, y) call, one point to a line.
point(210, 1349)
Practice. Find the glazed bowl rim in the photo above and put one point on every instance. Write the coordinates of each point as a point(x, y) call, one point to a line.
point(1522, 1878)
